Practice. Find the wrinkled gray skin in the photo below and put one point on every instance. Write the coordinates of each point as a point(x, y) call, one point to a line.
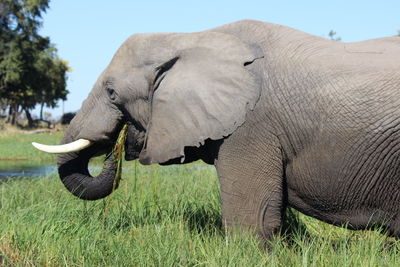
point(288, 119)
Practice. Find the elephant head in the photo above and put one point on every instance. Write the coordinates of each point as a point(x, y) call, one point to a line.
point(173, 90)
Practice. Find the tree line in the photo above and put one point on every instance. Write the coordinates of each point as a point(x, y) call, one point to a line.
point(31, 72)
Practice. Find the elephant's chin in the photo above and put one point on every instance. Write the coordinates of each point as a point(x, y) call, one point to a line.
point(131, 155)
point(134, 143)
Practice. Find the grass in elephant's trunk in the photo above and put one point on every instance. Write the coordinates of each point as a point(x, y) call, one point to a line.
point(117, 152)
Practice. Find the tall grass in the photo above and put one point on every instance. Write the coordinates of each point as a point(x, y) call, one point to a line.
point(166, 216)
point(163, 216)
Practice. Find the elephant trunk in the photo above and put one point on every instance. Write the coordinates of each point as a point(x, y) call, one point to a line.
point(74, 173)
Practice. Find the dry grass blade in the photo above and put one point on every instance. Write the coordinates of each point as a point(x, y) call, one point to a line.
point(117, 152)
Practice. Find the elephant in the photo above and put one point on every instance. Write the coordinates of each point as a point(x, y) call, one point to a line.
point(288, 119)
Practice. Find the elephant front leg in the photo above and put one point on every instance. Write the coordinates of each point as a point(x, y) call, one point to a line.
point(251, 178)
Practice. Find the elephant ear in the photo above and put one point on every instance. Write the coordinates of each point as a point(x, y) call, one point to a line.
point(203, 92)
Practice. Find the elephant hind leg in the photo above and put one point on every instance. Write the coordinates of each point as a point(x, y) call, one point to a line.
point(251, 178)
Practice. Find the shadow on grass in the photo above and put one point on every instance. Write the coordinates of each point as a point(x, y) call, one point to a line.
point(198, 218)
point(203, 220)
point(292, 226)
point(295, 234)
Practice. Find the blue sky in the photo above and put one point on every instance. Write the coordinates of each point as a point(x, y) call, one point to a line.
point(87, 33)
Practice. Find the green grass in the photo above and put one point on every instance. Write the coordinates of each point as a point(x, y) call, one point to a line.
point(163, 216)
point(16, 146)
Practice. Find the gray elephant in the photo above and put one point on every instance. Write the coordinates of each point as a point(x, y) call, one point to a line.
point(287, 119)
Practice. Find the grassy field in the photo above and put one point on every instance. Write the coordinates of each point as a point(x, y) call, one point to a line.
point(160, 216)
point(16, 146)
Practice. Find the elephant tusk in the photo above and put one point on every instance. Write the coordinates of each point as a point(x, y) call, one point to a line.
point(66, 148)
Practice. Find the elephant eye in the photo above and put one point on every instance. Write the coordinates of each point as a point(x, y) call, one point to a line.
point(111, 93)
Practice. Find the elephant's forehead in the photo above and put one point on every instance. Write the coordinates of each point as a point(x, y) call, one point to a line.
point(142, 49)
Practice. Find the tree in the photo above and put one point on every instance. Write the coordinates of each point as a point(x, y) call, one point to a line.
point(332, 36)
point(30, 71)
point(51, 80)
